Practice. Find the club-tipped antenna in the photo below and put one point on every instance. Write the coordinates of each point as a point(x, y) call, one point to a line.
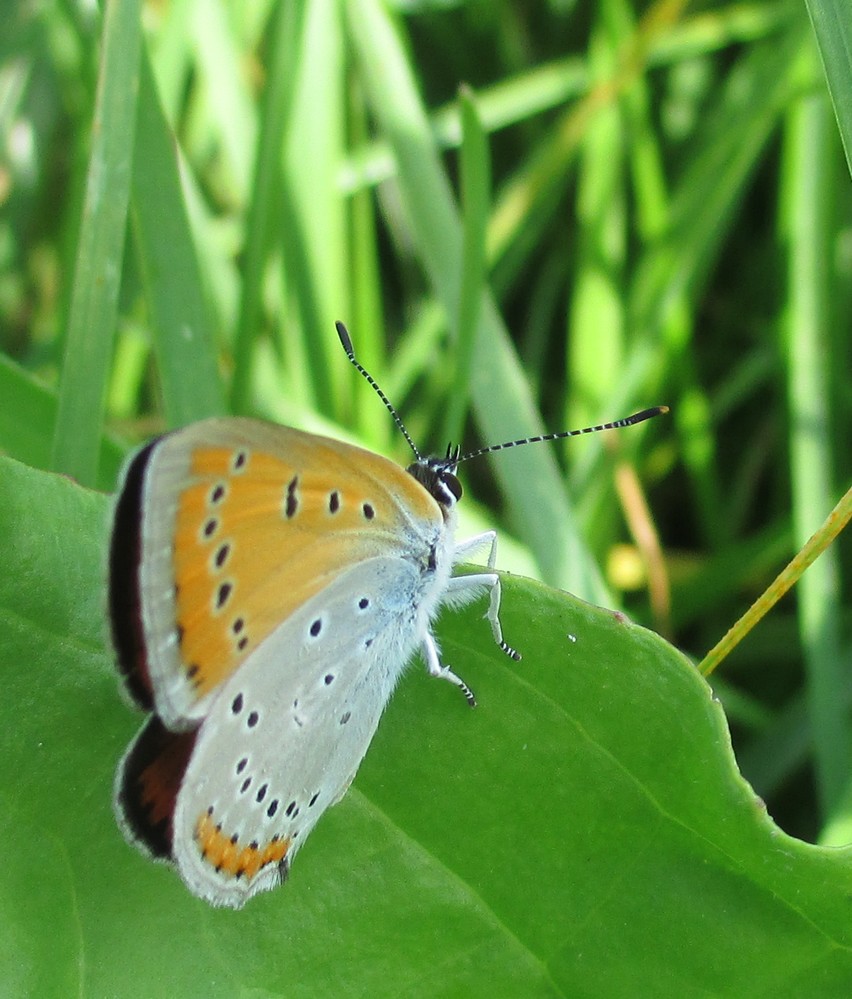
point(346, 341)
point(628, 421)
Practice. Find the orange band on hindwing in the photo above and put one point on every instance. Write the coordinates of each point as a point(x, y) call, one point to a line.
point(225, 853)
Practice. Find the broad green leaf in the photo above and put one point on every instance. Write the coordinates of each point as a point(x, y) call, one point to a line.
point(584, 831)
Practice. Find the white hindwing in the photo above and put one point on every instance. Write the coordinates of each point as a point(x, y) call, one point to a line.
point(286, 734)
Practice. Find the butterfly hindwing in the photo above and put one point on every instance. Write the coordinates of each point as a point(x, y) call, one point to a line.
point(286, 733)
point(148, 782)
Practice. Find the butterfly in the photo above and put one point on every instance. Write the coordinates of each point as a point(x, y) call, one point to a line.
point(267, 588)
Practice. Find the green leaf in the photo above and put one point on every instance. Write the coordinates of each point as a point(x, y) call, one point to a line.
point(584, 831)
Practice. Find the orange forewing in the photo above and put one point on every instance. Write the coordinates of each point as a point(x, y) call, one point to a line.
point(258, 533)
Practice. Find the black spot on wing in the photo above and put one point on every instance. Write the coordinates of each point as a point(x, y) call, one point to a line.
point(291, 503)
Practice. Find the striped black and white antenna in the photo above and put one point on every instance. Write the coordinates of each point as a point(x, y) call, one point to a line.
point(453, 456)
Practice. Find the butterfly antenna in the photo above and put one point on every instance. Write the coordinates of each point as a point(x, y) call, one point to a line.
point(628, 421)
point(346, 341)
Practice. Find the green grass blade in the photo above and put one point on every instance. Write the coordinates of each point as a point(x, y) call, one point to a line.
point(97, 274)
point(226, 115)
point(316, 263)
point(596, 309)
point(503, 406)
point(551, 85)
point(475, 198)
point(27, 421)
point(833, 28)
point(712, 183)
point(367, 295)
point(810, 208)
point(183, 338)
point(817, 544)
point(264, 205)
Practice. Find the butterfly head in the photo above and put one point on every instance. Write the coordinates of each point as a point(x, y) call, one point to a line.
point(438, 478)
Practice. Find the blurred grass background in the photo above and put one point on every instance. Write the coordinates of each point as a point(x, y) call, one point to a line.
point(625, 205)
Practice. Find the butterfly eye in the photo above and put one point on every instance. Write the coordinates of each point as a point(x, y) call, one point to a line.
point(453, 484)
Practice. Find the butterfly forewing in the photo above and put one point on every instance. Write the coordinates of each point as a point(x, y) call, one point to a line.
point(243, 523)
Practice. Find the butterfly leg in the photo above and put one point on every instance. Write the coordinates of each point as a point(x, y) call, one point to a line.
point(433, 664)
point(477, 580)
